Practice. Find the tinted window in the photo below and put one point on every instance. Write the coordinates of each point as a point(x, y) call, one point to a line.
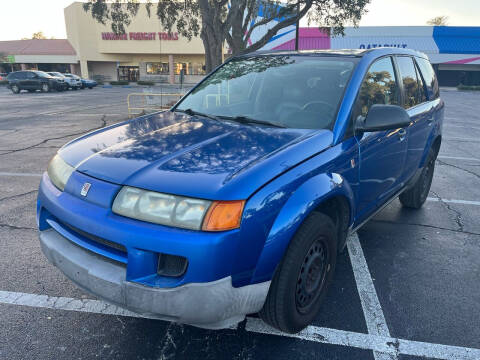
point(287, 90)
point(29, 75)
point(12, 76)
point(422, 94)
point(411, 89)
point(379, 86)
point(430, 77)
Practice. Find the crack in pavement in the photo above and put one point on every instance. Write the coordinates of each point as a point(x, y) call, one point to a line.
point(104, 123)
point(425, 225)
point(18, 195)
point(13, 227)
point(458, 167)
point(458, 214)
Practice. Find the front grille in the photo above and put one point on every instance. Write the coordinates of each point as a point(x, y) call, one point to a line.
point(171, 265)
point(99, 240)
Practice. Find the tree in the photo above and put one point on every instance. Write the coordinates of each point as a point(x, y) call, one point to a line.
point(234, 21)
point(438, 21)
point(37, 36)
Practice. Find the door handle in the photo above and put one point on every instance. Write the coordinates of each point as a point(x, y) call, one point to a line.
point(401, 134)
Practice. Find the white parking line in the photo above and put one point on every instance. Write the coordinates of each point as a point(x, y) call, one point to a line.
point(372, 309)
point(19, 174)
point(458, 158)
point(380, 344)
point(454, 201)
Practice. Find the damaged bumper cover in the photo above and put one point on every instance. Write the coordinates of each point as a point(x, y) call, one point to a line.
point(211, 305)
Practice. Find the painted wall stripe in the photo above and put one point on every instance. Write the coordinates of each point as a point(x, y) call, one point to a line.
point(382, 344)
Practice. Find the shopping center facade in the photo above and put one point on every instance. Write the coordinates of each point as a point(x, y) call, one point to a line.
point(147, 52)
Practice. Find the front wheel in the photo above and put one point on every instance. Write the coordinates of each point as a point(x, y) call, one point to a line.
point(302, 278)
point(45, 88)
point(417, 194)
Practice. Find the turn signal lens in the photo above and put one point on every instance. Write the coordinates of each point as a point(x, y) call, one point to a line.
point(223, 215)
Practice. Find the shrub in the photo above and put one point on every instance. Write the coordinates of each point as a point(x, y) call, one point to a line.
point(120, 82)
point(468, 87)
point(145, 82)
point(3, 82)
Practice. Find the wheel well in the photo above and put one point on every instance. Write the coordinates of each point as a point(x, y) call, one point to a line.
point(338, 209)
point(436, 144)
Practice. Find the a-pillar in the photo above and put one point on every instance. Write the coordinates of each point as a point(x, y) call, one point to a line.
point(171, 79)
point(84, 69)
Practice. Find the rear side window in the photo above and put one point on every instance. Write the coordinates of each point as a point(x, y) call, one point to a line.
point(379, 86)
point(411, 88)
point(430, 78)
point(422, 94)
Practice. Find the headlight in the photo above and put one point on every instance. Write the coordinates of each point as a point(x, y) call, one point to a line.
point(177, 211)
point(59, 172)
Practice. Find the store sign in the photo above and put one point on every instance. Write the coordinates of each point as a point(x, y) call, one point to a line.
point(373, 46)
point(140, 36)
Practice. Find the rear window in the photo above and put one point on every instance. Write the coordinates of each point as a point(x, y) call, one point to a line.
point(12, 76)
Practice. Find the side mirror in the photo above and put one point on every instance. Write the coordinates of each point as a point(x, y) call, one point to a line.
point(383, 117)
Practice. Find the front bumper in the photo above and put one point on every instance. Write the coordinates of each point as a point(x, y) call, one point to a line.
point(211, 305)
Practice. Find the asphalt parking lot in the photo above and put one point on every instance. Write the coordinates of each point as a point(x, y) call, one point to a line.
point(407, 287)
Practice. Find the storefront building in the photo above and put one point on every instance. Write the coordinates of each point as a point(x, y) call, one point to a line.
point(147, 52)
point(144, 52)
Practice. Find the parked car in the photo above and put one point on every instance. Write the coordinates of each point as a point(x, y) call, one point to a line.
point(73, 81)
point(69, 82)
point(238, 199)
point(61, 79)
point(87, 83)
point(32, 80)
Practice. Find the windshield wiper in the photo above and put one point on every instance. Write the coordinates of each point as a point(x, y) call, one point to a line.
point(248, 120)
point(196, 113)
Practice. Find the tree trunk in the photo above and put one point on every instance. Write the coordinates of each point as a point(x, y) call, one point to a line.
point(213, 49)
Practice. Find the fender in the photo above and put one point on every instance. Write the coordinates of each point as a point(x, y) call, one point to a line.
point(300, 204)
point(436, 130)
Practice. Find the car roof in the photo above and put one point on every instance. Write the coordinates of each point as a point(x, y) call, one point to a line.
point(343, 52)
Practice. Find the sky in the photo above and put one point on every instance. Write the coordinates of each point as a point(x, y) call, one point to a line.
point(28, 16)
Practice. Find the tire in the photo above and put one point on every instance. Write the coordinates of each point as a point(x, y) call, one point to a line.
point(15, 88)
point(294, 298)
point(415, 196)
point(31, 91)
point(45, 88)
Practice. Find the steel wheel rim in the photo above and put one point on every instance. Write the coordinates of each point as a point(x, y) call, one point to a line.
point(311, 277)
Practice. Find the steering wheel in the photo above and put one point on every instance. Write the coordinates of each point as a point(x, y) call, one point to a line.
point(311, 106)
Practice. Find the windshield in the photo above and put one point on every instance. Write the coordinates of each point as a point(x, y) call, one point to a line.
point(285, 90)
point(42, 74)
point(56, 74)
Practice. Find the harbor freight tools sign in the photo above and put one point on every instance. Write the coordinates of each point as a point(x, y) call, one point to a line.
point(140, 36)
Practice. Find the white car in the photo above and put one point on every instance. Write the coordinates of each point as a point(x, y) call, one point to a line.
point(74, 81)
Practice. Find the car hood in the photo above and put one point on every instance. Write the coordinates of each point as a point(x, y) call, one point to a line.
point(192, 156)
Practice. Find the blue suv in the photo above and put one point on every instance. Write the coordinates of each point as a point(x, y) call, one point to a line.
point(238, 199)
